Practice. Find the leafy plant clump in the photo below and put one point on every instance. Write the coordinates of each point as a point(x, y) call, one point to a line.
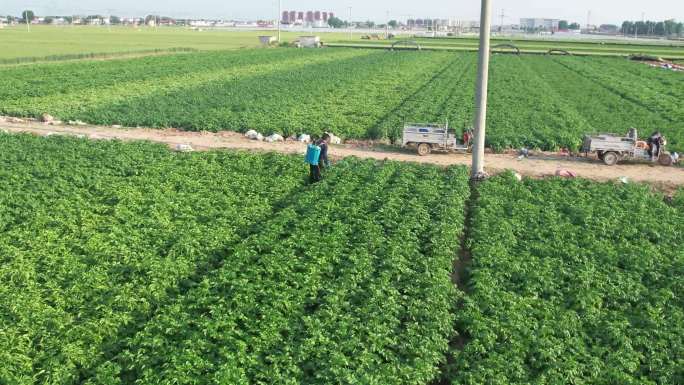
point(543, 102)
point(572, 282)
point(126, 263)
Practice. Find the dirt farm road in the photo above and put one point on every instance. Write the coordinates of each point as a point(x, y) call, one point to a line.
point(666, 178)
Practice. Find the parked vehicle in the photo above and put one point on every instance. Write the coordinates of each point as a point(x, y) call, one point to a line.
point(612, 148)
point(435, 137)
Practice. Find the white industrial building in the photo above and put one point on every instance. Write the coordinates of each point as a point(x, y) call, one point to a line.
point(534, 24)
point(451, 24)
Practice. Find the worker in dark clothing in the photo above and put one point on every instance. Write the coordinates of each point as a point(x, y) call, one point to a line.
point(315, 169)
point(314, 173)
point(655, 141)
point(323, 161)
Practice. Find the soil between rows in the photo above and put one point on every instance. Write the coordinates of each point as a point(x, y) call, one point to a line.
point(543, 165)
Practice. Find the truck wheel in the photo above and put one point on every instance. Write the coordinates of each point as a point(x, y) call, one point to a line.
point(610, 158)
point(424, 149)
point(665, 160)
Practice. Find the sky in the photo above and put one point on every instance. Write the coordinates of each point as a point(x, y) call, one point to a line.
point(602, 11)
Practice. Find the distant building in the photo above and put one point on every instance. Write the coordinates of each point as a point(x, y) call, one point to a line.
point(310, 18)
point(609, 29)
point(532, 24)
point(433, 24)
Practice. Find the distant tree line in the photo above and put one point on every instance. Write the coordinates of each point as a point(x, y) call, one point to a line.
point(564, 25)
point(653, 28)
point(29, 16)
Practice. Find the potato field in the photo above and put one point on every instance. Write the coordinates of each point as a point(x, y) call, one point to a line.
point(545, 102)
point(572, 282)
point(126, 263)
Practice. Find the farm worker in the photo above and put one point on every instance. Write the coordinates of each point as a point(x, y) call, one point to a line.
point(317, 158)
point(323, 161)
point(655, 141)
point(313, 154)
point(467, 135)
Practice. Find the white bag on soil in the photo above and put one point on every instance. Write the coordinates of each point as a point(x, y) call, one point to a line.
point(184, 148)
point(274, 138)
point(334, 139)
point(304, 138)
point(251, 134)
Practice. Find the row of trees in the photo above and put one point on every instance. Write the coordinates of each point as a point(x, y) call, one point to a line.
point(335, 22)
point(564, 25)
point(30, 16)
point(653, 28)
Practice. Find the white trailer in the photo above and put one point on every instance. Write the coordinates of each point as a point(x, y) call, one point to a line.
point(309, 42)
point(612, 148)
point(425, 138)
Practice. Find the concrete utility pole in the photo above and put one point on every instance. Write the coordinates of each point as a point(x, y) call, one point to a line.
point(481, 91)
point(280, 16)
point(588, 21)
point(350, 24)
point(387, 26)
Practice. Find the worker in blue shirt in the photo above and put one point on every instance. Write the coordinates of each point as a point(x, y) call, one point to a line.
point(323, 162)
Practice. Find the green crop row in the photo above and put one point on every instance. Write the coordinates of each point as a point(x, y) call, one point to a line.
point(535, 101)
point(597, 48)
point(94, 239)
point(130, 264)
point(126, 263)
point(572, 282)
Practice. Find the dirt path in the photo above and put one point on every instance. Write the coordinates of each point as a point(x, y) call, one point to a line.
point(539, 166)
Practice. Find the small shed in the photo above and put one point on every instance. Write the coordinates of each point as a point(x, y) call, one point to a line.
point(267, 40)
point(309, 42)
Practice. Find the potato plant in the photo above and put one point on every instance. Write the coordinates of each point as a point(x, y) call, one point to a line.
point(129, 264)
point(572, 282)
point(536, 101)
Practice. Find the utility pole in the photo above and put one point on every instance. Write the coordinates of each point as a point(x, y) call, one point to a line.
point(350, 24)
point(481, 92)
point(588, 21)
point(387, 26)
point(643, 21)
point(28, 24)
point(280, 16)
point(503, 15)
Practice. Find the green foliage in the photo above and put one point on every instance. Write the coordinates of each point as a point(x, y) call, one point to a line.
point(335, 22)
point(47, 40)
point(572, 282)
point(28, 15)
point(679, 199)
point(126, 263)
point(540, 102)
